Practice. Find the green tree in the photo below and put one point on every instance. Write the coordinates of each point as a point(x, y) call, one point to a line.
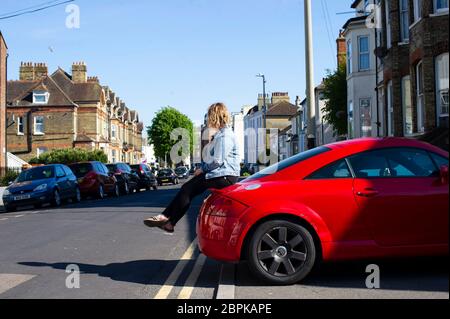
point(165, 121)
point(335, 95)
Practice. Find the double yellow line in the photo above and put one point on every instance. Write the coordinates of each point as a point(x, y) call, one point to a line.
point(189, 286)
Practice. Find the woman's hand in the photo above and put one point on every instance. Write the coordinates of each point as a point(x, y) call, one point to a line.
point(198, 172)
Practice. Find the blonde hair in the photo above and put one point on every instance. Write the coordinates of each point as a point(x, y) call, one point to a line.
point(218, 116)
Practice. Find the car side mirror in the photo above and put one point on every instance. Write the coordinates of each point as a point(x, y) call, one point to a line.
point(444, 174)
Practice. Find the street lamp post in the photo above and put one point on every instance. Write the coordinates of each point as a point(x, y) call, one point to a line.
point(260, 75)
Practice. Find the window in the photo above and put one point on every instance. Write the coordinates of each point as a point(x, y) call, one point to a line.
point(38, 125)
point(442, 82)
point(440, 6)
point(393, 162)
point(114, 131)
point(404, 20)
point(349, 57)
point(363, 51)
point(388, 24)
point(407, 106)
point(40, 97)
point(420, 98)
point(350, 120)
point(439, 160)
point(20, 126)
point(60, 171)
point(365, 114)
point(390, 109)
point(336, 170)
point(40, 151)
point(417, 10)
point(67, 170)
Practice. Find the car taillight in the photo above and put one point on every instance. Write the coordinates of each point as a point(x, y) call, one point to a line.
point(224, 207)
point(91, 176)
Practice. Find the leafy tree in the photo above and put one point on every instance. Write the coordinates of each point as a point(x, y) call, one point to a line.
point(165, 121)
point(70, 156)
point(335, 95)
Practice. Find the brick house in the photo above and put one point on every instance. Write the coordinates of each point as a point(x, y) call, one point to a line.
point(3, 58)
point(58, 111)
point(414, 50)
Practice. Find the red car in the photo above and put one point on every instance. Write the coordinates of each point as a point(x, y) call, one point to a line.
point(95, 180)
point(357, 199)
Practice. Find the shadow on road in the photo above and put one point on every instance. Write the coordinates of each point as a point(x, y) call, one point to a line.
point(413, 274)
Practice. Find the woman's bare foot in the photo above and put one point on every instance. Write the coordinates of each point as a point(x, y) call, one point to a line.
point(156, 221)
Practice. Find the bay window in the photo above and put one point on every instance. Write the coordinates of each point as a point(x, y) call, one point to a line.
point(363, 52)
point(420, 107)
point(442, 83)
point(404, 20)
point(407, 106)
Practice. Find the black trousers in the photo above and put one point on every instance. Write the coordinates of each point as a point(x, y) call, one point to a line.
point(196, 186)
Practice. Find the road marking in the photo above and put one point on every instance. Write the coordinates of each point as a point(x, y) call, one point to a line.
point(165, 290)
point(227, 287)
point(189, 286)
point(9, 281)
point(18, 216)
point(2, 219)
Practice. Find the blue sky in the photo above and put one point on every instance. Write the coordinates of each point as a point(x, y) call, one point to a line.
point(183, 53)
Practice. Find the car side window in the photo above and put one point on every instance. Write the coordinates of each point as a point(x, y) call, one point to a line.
point(105, 169)
point(60, 171)
point(393, 162)
point(68, 171)
point(338, 169)
point(439, 160)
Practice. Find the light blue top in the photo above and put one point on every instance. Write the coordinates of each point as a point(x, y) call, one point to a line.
point(221, 156)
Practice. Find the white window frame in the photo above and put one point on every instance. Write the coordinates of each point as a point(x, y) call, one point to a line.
point(408, 118)
point(40, 151)
point(404, 25)
point(440, 10)
point(361, 131)
point(361, 53)
point(390, 109)
point(43, 94)
point(114, 131)
point(418, 13)
point(349, 57)
point(35, 125)
point(420, 98)
point(442, 86)
point(351, 120)
point(20, 126)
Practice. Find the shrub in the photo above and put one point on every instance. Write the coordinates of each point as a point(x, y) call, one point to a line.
point(9, 176)
point(70, 156)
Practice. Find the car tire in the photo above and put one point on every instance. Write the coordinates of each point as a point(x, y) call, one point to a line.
point(126, 189)
point(77, 198)
point(56, 200)
point(10, 209)
point(281, 252)
point(155, 188)
point(37, 206)
point(100, 192)
point(116, 192)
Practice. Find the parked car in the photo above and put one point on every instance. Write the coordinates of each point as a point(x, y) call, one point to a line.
point(167, 175)
point(94, 179)
point(147, 179)
point(40, 185)
point(182, 172)
point(365, 198)
point(126, 179)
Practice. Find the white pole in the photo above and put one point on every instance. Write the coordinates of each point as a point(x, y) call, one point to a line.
point(310, 94)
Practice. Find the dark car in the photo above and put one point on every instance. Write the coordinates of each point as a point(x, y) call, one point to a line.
point(40, 185)
point(94, 179)
point(182, 172)
point(126, 179)
point(167, 175)
point(147, 179)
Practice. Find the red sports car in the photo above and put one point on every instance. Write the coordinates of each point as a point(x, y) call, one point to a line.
point(365, 198)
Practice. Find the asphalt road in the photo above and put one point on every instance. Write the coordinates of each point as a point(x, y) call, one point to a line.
point(118, 257)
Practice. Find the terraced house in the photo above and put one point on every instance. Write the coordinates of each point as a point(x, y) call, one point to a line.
point(63, 110)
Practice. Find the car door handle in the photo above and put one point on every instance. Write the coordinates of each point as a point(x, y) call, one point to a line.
point(368, 192)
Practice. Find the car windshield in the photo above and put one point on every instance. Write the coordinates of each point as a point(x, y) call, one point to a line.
point(165, 172)
point(138, 167)
point(37, 173)
point(180, 170)
point(289, 162)
point(80, 170)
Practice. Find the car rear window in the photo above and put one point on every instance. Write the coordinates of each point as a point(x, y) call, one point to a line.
point(290, 162)
point(80, 170)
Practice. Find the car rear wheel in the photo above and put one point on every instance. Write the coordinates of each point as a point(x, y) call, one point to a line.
point(281, 252)
point(126, 189)
point(101, 192)
point(77, 197)
point(56, 201)
point(116, 192)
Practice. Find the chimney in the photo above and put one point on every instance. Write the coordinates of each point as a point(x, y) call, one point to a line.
point(278, 97)
point(298, 100)
point(40, 71)
point(26, 72)
point(93, 79)
point(79, 72)
point(341, 49)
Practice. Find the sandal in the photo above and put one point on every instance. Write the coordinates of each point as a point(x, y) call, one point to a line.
point(167, 230)
point(156, 221)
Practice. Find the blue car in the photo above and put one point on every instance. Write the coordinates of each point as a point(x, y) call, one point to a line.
point(40, 185)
